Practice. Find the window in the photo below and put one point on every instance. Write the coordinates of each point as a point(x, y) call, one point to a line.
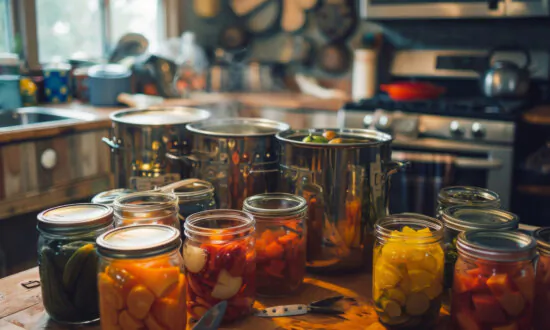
point(77, 29)
point(139, 16)
point(4, 26)
point(68, 28)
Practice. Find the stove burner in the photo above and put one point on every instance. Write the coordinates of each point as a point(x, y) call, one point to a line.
point(478, 107)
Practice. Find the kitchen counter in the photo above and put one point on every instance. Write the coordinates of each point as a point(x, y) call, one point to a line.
point(101, 120)
point(21, 308)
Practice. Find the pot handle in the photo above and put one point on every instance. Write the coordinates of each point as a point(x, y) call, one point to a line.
point(112, 144)
point(395, 166)
point(187, 159)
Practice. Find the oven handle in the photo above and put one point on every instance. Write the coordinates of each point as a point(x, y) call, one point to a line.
point(477, 164)
point(459, 162)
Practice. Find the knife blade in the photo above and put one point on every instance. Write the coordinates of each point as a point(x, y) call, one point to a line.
point(212, 319)
point(284, 310)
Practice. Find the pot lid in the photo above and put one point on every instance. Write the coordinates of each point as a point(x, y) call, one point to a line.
point(75, 217)
point(138, 241)
point(238, 127)
point(463, 218)
point(360, 137)
point(157, 116)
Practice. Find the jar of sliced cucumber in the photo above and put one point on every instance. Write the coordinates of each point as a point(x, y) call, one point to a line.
point(408, 270)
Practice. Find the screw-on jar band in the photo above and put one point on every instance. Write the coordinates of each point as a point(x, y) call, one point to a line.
point(493, 245)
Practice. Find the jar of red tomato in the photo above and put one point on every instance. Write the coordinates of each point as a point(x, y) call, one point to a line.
point(220, 262)
point(280, 242)
point(494, 281)
point(145, 208)
point(542, 280)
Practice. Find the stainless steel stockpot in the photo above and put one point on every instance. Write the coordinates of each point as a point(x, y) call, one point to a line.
point(239, 156)
point(140, 140)
point(347, 189)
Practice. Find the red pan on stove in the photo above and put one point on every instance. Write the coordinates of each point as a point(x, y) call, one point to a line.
point(412, 90)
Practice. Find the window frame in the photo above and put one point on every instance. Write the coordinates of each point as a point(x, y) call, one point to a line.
point(24, 25)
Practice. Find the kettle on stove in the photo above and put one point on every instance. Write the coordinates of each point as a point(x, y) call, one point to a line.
point(505, 78)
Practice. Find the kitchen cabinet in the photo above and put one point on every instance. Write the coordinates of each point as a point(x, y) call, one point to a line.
point(423, 9)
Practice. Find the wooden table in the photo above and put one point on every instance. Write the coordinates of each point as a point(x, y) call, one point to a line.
point(22, 308)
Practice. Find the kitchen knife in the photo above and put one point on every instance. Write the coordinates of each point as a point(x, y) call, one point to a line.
point(212, 318)
point(293, 310)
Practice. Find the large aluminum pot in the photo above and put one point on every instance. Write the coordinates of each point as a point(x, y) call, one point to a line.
point(140, 140)
point(239, 156)
point(347, 188)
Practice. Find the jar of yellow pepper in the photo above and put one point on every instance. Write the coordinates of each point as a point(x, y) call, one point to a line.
point(140, 281)
point(408, 270)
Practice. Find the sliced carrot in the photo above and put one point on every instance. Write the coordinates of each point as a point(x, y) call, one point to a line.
point(152, 323)
point(176, 292)
point(110, 292)
point(268, 236)
point(158, 280)
point(290, 237)
point(109, 315)
point(128, 322)
point(123, 278)
point(167, 311)
point(139, 301)
point(274, 250)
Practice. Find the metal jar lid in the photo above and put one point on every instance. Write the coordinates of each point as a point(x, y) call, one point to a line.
point(464, 217)
point(189, 189)
point(493, 245)
point(146, 201)
point(138, 241)
point(464, 195)
point(238, 127)
point(75, 218)
point(542, 235)
point(360, 137)
point(160, 116)
point(109, 196)
point(275, 205)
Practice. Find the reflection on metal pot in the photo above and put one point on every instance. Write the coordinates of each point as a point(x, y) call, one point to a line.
point(346, 186)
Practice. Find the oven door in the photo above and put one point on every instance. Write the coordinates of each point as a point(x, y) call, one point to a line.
point(411, 9)
point(435, 164)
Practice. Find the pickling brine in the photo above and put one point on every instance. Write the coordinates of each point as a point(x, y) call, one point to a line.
point(541, 320)
point(408, 271)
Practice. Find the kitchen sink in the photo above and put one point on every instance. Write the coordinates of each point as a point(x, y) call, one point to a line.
point(38, 116)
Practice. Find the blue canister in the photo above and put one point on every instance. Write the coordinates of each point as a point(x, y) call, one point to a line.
point(106, 82)
point(57, 82)
point(10, 96)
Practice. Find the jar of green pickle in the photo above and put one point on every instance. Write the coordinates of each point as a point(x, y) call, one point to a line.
point(67, 260)
point(463, 195)
point(464, 218)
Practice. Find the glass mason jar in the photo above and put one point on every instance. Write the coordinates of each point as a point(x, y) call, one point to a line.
point(194, 196)
point(408, 270)
point(140, 279)
point(146, 208)
point(280, 242)
point(462, 195)
point(108, 197)
point(541, 319)
point(220, 262)
point(67, 260)
point(494, 281)
point(462, 218)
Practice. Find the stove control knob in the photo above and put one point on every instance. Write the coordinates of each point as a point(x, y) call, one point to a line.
point(456, 129)
point(478, 130)
point(383, 122)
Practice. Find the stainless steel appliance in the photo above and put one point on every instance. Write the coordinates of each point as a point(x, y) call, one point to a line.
point(140, 140)
point(462, 138)
point(346, 186)
point(506, 78)
point(417, 9)
point(239, 156)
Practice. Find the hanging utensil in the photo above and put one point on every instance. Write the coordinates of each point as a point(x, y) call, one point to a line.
point(324, 306)
point(212, 319)
point(336, 19)
point(335, 58)
point(265, 20)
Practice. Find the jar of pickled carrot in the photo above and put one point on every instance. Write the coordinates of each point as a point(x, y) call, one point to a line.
point(494, 281)
point(541, 319)
point(146, 208)
point(280, 242)
point(408, 270)
point(220, 262)
point(140, 281)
